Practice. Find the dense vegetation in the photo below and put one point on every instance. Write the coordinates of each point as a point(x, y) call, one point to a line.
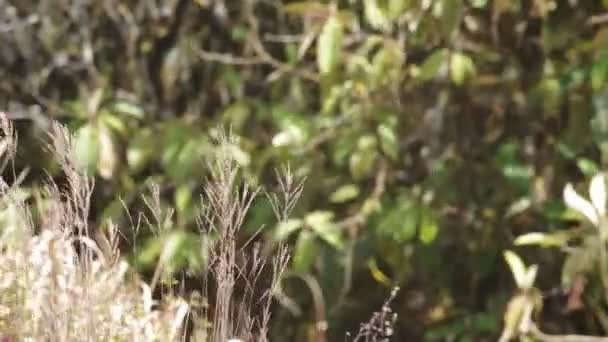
point(429, 134)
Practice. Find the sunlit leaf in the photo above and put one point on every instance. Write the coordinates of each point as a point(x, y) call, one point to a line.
point(587, 166)
point(461, 68)
point(329, 45)
point(344, 193)
point(517, 267)
point(542, 239)
point(323, 225)
point(389, 141)
point(128, 108)
point(286, 228)
point(376, 16)
point(86, 147)
point(576, 202)
point(433, 64)
point(597, 192)
point(108, 153)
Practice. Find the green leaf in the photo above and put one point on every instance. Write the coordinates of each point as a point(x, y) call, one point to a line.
point(376, 16)
point(128, 108)
point(86, 148)
point(580, 260)
point(599, 73)
point(362, 163)
point(433, 64)
point(344, 193)
point(400, 222)
point(587, 166)
point(389, 141)
point(286, 228)
point(183, 198)
point(142, 149)
point(322, 224)
point(429, 227)
point(329, 45)
point(305, 252)
point(461, 68)
point(450, 14)
point(180, 250)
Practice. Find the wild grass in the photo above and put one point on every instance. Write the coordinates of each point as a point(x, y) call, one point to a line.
point(62, 279)
point(57, 284)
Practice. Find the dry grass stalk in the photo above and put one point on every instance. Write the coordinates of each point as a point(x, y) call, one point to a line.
point(53, 291)
point(227, 202)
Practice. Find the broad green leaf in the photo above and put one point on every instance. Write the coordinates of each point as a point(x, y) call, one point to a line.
point(142, 149)
point(429, 227)
point(180, 250)
point(128, 108)
point(399, 222)
point(344, 193)
point(114, 122)
point(361, 163)
point(86, 147)
point(433, 64)
point(389, 141)
point(305, 252)
point(183, 198)
point(329, 45)
point(286, 228)
point(599, 73)
point(587, 166)
point(323, 225)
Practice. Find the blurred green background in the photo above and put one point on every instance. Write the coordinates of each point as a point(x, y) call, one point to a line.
point(431, 133)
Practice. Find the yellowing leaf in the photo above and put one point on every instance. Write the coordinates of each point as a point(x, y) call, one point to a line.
point(461, 68)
